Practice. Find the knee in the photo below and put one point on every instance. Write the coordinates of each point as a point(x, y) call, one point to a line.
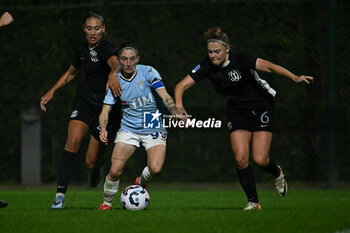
point(72, 145)
point(261, 161)
point(115, 173)
point(242, 161)
point(90, 164)
point(155, 169)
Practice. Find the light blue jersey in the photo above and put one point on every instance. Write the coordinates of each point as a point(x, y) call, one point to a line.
point(140, 112)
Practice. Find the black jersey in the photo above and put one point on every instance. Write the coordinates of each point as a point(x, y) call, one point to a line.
point(238, 81)
point(94, 63)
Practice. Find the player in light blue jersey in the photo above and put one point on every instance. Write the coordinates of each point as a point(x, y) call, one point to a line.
point(141, 122)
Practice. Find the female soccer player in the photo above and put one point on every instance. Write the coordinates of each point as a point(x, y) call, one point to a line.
point(249, 106)
point(5, 19)
point(97, 58)
point(141, 121)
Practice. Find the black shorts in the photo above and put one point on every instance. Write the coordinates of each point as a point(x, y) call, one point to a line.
point(250, 116)
point(87, 108)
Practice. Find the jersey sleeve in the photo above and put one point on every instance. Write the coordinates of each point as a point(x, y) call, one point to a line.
point(247, 60)
point(152, 74)
point(107, 50)
point(109, 98)
point(199, 72)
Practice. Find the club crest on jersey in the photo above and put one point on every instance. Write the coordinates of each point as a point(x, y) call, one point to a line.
point(234, 75)
point(93, 56)
point(141, 84)
point(196, 68)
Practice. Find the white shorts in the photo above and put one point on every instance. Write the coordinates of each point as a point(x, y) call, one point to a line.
point(147, 140)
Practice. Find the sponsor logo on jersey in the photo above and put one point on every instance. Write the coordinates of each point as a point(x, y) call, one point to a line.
point(234, 75)
point(139, 102)
point(93, 56)
point(196, 68)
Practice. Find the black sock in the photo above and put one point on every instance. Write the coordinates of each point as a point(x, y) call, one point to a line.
point(65, 171)
point(272, 169)
point(246, 178)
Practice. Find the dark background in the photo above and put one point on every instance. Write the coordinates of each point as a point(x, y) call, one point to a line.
point(307, 37)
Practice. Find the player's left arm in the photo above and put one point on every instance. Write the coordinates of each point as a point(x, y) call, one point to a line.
point(167, 100)
point(113, 80)
point(269, 67)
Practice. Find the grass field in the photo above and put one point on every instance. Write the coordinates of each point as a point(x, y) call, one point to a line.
point(178, 211)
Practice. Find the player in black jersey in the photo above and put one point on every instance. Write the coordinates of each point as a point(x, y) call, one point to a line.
point(249, 106)
point(97, 58)
point(5, 19)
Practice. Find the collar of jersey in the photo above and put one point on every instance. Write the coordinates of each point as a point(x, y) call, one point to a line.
point(128, 80)
point(225, 64)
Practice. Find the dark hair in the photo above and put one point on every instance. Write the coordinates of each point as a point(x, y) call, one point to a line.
point(95, 14)
point(216, 34)
point(127, 45)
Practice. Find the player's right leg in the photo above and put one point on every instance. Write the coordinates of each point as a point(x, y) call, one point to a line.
point(121, 153)
point(76, 133)
point(240, 141)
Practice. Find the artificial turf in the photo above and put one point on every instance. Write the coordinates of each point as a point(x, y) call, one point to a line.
point(178, 211)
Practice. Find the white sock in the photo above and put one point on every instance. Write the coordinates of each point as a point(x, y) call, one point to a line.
point(60, 194)
point(145, 177)
point(110, 189)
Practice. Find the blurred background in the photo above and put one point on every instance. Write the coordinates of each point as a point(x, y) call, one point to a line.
point(307, 37)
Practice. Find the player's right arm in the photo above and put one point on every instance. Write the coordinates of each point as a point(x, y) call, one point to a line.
point(63, 80)
point(180, 88)
point(103, 119)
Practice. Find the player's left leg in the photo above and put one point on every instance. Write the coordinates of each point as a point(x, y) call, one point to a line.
point(156, 158)
point(94, 160)
point(261, 142)
point(155, 145)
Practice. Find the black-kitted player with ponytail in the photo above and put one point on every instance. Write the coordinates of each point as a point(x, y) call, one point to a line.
point(96, 57)
point(249, 106)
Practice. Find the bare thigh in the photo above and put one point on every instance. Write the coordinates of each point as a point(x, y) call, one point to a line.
point(240, 143)
point(77, 130)
point(156, 158)
point(261, 143)
point(121, 154)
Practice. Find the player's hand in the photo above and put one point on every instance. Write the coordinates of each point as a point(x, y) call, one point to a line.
point(304, 78)
point(103, 136)
point(45, 99)
point(182, 114)
point(114, 84)
point(6, 19)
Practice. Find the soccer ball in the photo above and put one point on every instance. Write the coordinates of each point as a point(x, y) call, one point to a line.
point(134, 197)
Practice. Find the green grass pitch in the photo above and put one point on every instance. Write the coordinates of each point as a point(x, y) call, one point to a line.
point(177, 211)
